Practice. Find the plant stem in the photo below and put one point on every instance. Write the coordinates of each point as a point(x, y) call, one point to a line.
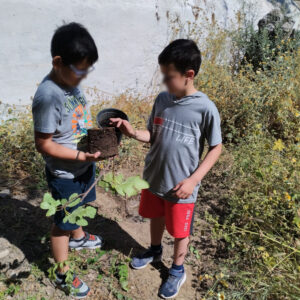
point(113, 168)
point(83, 195)
point(269, 272)
point(268, 238)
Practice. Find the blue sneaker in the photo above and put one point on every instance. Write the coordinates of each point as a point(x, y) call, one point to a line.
point(141, 261)
point(171, 287)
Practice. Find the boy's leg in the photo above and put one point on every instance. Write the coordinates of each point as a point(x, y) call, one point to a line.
point(151, 206)
point(77, 233)
point(180, 250)
point(60, 243)
point(60, 246)
point(178, 223)
point(157, 227)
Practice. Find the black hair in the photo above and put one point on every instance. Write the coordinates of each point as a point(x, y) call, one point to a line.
point(73, 43)
point(184, 54)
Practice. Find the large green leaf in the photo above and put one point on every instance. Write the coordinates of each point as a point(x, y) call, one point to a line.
point(103, 184)
point(129, 190)
point(141, 184)
point(120, 190)
point(108, 177)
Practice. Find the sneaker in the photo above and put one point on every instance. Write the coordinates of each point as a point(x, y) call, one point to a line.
point(141, 261)
point(171, 287)
point(89, 241)
point(78, 289)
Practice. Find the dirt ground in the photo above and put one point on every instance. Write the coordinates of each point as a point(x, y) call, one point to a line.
point(25, 226)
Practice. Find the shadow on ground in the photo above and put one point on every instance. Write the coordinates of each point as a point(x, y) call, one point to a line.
point(25, 226)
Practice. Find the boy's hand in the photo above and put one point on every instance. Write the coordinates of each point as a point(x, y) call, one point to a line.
point(86, 156)
point(123, 125)
point(184, 189)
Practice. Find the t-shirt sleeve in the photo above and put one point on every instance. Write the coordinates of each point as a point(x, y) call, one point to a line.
point(150, 121)
point(151, 117)
point(46, 114)
point(212, 127)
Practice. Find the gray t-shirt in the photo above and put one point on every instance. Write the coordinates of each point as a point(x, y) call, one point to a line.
point(65, 113)
point(178, 131)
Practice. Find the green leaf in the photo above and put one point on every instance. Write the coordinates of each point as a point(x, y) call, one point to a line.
point(82, 222)
point(45, 205)
point(120, 190)
point(63, 201)
point(90, 212)
point(108, 177)
point(47, 197)
point(141, 184)
point(124, 285)
point(119, 179)
point(55, 203)
point(51, 211)
point(129, 190)
point(74, 203)
point(73, 196)
point(103, 184)
point(66, 219)
point(71, 218)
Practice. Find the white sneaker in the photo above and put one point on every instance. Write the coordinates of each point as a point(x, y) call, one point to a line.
point(89, 241)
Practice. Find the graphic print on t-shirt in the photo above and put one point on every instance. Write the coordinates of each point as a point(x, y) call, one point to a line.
point(81, 122)
point(180, 130)
point(81, 119)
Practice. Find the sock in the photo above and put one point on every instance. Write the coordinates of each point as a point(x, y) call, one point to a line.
point(178, 268)
point(156, 248)
point(61, 277)
point(78, 240)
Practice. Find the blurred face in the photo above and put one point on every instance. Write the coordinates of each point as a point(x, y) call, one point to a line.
point(176, 82)
point(70, 75)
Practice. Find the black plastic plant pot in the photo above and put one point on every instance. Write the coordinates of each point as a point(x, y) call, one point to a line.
point(103, 119)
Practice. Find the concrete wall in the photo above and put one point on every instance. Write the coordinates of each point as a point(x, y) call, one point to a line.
point(129, 33)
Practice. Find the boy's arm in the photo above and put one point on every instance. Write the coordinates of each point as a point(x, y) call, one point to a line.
point(209, 160)
point(45, 145)
point(213, 135)
point(127, 129)
point(46, 117)
point(185, 188)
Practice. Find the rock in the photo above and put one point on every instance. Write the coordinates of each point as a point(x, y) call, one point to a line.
point(12, 260)
point(275, 18)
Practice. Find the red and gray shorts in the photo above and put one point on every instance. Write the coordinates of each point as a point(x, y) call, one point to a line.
point(178, 216)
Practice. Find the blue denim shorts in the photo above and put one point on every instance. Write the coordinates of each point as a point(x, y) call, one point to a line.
point(62, 188)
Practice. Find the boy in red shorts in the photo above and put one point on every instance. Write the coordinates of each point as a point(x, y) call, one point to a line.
point(181, 120)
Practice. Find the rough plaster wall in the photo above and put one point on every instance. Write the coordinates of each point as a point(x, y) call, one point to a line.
point(129, 33)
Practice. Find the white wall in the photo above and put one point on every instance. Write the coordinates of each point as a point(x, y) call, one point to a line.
point(129, 34)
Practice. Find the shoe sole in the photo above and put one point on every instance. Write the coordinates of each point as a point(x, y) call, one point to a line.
point(66, 290)
point(178, 288)
point(144, 266)
point(81, 297)
point(89, 248)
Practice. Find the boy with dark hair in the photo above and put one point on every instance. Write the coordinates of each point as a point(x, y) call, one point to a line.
point(180, 121)
point(61, 118)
